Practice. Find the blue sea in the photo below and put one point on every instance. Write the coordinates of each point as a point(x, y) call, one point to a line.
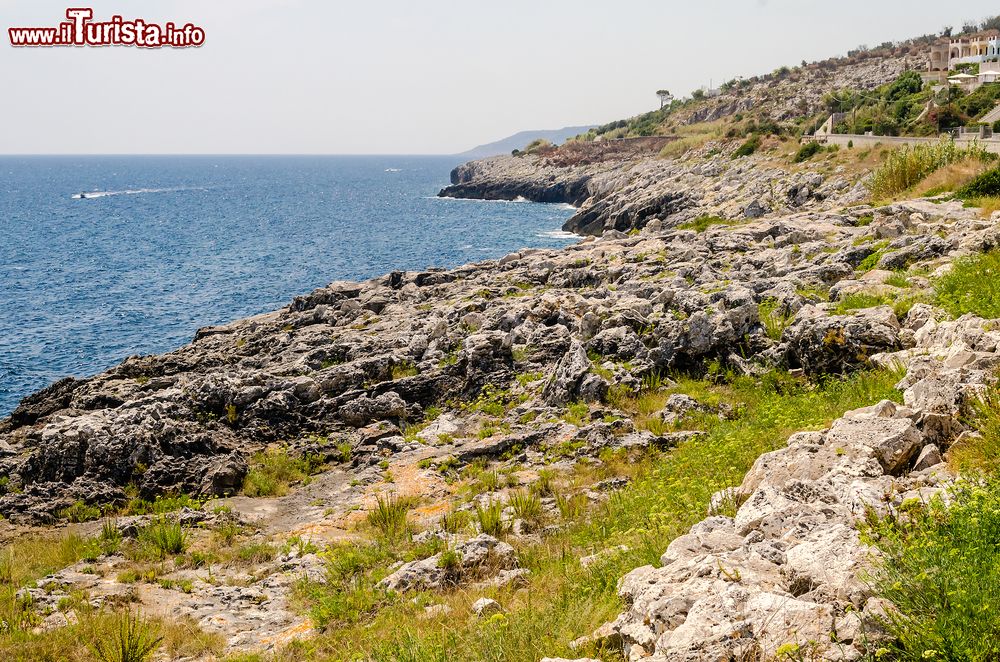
point(160, 246)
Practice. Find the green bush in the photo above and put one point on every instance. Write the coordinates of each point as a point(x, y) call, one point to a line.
point(972, 286)
point(986, 184)
point(940, 567)
point(751, 145)
point(807, 151)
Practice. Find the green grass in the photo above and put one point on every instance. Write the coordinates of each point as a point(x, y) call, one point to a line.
point(901, 302)
point(401, 370)
point(972, 286)
point(668, 494)
point(490, 518)
point(773, 318)
point(134, 640)
point(907, 166)
point(527, 505)
point(941, 569)
point(980, 455)
point(163, 537)
point(389, 517)
point(703, 222)
point(274, 471)
point(81, 512)
point(29, 558)
point(161, 505)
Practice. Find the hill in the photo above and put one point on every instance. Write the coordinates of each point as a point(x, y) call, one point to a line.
point(519, 140)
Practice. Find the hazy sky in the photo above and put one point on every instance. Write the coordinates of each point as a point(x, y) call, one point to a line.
point(397, 76)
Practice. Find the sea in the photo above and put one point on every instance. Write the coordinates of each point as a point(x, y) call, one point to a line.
point(104, 257)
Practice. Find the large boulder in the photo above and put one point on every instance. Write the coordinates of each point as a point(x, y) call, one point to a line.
point(825, 344)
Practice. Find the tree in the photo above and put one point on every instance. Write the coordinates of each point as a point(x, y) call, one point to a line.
point(665, 97)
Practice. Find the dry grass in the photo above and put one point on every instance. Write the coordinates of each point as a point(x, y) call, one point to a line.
point(949, 178)
point(986, 205)
point(693, 136)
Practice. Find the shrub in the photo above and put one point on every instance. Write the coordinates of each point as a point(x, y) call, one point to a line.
point(163, 537)
point(940, 567)
point(807, 151)
point(389, 515)
point(490, 518)
point(131, 640)
point(537, 145)
point(751, 145)
point(908, 165)
point(972, 286)
point(986, 184)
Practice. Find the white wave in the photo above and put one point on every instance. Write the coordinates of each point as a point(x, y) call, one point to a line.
point(393, 170)
point(495, 202)
point(557, 234)
point(87, 195)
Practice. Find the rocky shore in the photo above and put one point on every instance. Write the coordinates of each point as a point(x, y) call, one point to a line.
point(414, 374)
point(625, 191)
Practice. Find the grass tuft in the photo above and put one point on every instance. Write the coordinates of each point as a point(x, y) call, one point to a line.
point(389, 516)
point(490, 518)
point(134, 640)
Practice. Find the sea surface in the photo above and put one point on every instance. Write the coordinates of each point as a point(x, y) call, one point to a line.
point(160, 246)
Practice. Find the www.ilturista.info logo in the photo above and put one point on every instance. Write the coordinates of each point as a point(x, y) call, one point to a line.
point(80, 30)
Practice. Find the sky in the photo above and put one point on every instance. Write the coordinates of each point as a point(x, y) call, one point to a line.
point(405, 76)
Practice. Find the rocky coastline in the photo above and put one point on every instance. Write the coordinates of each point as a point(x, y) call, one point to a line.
point(415, 374)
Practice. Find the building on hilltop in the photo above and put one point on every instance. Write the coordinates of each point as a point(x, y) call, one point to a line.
point(948, 53)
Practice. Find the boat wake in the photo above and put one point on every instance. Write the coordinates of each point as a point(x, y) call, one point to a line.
point(87, 195)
